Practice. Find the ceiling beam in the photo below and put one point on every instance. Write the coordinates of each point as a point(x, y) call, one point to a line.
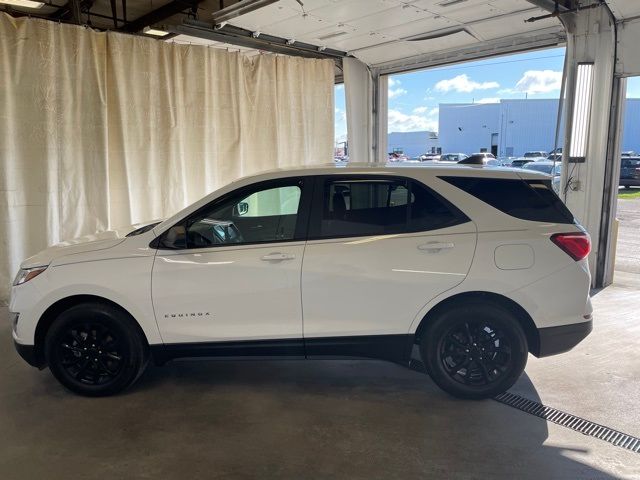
point(245, 38)
point(546, 38)
point(159, 15)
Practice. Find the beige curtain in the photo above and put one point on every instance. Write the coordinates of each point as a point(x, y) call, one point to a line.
point(100, 129)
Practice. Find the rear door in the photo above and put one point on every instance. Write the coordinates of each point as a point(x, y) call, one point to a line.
point(379, 249)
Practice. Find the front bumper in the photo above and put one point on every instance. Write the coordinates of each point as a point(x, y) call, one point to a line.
point(28, 354)
point(554, 340)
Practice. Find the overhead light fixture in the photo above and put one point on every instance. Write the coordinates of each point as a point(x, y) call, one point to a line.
point(23, 3)
point(239, 8)
point(448, 3)
point(332, 35)
point(156, 32)
point(581, 113)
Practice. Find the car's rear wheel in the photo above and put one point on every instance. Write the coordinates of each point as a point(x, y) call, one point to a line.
point(95, 349)
point(474, 351)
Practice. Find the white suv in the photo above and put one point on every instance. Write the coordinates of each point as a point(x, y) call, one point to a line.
point(475, 266)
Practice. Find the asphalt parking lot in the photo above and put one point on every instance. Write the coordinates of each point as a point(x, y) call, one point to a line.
point(336, 419)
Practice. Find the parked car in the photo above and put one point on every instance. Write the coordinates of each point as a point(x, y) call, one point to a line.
point(430, 157)
point(630, 172)
point(536, 155)
point(485, 154)
point(505, 161)
point(521, 162)
point(480, 159)
point(550, 168)
point(630, 153)
point(453, 157)
point(397, 157)
point(337, 261)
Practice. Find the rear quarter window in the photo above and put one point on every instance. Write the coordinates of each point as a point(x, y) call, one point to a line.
point(532, 200)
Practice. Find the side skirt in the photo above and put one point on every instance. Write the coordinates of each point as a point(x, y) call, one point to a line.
point(393, 348)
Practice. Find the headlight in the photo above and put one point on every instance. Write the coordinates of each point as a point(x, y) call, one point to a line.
point(26, 274)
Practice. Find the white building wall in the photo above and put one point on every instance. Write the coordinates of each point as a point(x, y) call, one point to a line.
point(521, 125)
point(528, 125)
point(466, 127)
point(413, 144)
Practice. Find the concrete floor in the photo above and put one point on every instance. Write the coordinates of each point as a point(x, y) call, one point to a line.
point(329, 419)
point(628, 254)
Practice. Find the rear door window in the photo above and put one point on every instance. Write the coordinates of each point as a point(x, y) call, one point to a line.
point(532, 200)
point(366, 206)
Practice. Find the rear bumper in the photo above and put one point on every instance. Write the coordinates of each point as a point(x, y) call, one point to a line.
point(554, 340)
point(28, 354)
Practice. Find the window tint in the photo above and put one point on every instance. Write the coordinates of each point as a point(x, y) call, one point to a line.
point(366, 207)
point(265, 215)
point(375, 207)
point(429, 211)
point(526, 199)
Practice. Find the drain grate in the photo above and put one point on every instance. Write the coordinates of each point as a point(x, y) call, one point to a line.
point(578, 424)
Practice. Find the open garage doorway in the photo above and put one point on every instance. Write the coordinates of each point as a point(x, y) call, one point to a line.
point(504, 107)
point(627, 261)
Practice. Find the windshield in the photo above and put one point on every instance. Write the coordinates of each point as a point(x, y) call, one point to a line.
point(533, 154)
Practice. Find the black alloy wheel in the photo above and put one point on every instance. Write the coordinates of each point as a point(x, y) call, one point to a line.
point(474, 351)
point(90, 353)
point(95, 349)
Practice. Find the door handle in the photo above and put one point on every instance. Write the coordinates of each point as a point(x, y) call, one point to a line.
point(435, 247)
point(277, 257)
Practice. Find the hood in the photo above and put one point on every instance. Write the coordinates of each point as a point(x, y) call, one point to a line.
point(87, 243)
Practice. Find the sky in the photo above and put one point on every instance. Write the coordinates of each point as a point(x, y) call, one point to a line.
point(414, 97)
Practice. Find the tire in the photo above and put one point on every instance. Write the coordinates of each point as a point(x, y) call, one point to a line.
point(96, 350)
point(490, 333)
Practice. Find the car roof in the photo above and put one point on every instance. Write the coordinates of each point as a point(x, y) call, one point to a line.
point(396, 168)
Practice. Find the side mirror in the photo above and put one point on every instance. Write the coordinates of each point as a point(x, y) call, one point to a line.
point(242, 208)
point(175, 237)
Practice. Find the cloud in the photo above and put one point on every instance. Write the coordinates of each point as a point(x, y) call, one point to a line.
point(539, 81)
point(401, 122)
point(489, 100)
point(395, 92)
point(340, 86)
point(462, 83)
point(426, 110)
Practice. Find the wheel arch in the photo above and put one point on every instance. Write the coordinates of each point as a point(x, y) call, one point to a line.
point(523, 317)
point(55, 309)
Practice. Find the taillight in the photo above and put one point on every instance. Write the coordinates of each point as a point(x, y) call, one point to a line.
point(576, 245)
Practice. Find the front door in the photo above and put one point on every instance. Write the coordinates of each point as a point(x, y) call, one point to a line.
point(232, 269)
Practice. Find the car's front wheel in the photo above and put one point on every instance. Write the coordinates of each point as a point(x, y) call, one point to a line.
point(474, 351)
point(95, 349)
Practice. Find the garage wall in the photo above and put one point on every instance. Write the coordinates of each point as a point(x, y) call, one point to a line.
point(99, 130)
